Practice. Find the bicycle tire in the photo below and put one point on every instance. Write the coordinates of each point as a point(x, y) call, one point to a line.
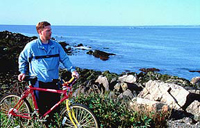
point(7, 102)
point(83, 114)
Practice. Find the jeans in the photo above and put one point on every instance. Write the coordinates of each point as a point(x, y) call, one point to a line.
point(45, 100)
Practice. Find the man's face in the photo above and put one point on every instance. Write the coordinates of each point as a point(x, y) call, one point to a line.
point(45, 33)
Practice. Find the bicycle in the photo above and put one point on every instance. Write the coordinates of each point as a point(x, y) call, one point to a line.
point(16, 111)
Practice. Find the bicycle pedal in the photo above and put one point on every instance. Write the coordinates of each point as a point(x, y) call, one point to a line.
point(64, 120)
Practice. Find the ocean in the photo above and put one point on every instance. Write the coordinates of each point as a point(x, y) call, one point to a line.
point(172, 49)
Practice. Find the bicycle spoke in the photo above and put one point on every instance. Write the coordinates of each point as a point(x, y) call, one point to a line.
point(84, 118)
point(68, 122)
point(83, 115)
point(7, 103)
point(3, 110)
point(87, 121)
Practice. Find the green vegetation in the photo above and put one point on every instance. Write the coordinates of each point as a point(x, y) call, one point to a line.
point(113, 112)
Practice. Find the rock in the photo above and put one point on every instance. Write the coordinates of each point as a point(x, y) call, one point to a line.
point(173, 95)
point(79, 45)
point(102, 55)
point(127, 78)
point(194, 91)
point(96, 88)
point(11, 44)
point(103, 80)
point(149, 69)
point(183, 123)
point(124, 86)
point(121, 87)
point(144, 77)
point(91, 86)
point(63, 44)
point(135, 87)
point(127, 93)
point(117, 87)
point(196, 81)
point(112, 95)
point(66, 47)
point(78, 91)
point(109, 75)
point(90, 52)
point(113, 82)
point(140, 104)
point(194, 71)
point(179, 81)
point(194, 108)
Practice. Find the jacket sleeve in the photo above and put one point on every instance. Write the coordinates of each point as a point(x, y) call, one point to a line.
point(64, 59)
point(23, 59)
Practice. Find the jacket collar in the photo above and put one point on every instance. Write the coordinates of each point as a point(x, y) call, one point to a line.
point(50, 44)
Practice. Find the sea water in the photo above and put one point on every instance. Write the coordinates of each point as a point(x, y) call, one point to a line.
point(172, 49)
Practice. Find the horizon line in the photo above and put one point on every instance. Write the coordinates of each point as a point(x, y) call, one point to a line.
point(108, 25)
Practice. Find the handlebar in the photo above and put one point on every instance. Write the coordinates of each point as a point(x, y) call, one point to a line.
point(70, 82)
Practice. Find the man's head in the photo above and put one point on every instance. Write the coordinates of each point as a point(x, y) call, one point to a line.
point(42, 25)
point(44, 30)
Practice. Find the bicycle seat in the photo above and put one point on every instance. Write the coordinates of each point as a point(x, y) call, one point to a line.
point(32, 79)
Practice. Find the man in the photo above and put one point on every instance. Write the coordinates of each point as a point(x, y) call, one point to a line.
point(41, 58)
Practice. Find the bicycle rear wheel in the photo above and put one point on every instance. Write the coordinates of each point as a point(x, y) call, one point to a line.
point(84, 116)
point(7, 103)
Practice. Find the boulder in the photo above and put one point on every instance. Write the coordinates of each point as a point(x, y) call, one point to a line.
point(196, 81)
point(185, 122)
point(141, 104)
point(117, 87)
point(124, 86)
point(103, 80)
point(194, 91)
point(102, 55)
point(121, 87)
point(127, 78)
point(194, 109)
point(127, 93)
point(173, 95)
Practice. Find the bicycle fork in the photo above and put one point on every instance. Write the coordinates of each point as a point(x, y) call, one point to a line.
point(71, 115)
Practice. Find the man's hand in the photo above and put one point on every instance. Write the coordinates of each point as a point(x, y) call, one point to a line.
point(21, 77)
point(75, 74)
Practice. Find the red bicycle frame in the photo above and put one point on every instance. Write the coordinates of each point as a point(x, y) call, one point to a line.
point(30, 90)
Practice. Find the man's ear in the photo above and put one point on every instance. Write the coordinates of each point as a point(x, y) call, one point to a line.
point(40, 31)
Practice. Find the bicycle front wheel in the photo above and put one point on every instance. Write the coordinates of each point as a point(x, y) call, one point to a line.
point(7, 103)
point(84, 117)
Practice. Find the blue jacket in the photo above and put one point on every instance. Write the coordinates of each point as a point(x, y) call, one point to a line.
point(35, 60)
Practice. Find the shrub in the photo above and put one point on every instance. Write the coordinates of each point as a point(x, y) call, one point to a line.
point(113, 112)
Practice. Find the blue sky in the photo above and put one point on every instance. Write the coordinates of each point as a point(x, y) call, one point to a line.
point(100, 12)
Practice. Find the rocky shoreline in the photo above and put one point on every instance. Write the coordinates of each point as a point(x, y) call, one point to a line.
point(154, 91)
